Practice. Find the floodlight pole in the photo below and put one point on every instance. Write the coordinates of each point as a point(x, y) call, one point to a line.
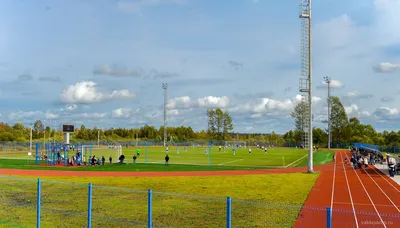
point(30, 140)
point(328, 81)
point(165, 87)
point(305, 15)
point(310, 148)
point(98, 139)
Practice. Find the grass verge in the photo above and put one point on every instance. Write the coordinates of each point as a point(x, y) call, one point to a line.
point(257, 200)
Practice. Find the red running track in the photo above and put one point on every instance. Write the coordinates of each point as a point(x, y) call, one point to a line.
point(358, 198)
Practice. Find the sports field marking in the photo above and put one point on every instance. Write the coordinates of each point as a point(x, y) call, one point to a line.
point(369, 197)
point(333, 181)
point(364, 204)
point(231, 161)
point(382, 190)
point(384, 177)
point(348, 188)
point(296, 161)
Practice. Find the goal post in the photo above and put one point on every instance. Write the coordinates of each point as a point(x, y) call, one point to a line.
point(235, 143)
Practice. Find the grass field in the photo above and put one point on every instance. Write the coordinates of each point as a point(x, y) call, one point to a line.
point(276, 157)
point(257, 200)
point(319, 158)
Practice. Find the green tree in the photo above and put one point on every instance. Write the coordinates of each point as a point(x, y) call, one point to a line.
point(219, 124)
point(38, 126)
point(320, 137)
point(299, 114)
point(340, 129)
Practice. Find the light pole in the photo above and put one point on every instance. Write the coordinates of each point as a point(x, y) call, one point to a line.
point(306, 80)
point(328, 81)
point(98, 139)
point(165, 87)
point(30, 140)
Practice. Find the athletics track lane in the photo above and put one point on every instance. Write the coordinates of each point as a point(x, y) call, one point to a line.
point(342, 213)
point(375, 200)
point(363, 205)
point(313, 213)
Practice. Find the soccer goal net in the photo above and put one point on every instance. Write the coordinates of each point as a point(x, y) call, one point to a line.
point(241, 144)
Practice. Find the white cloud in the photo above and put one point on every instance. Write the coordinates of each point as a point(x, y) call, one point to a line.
point(357, 95)
point(173, 112)
point(21, 115)
point(386, 68)
point(213, 102)
point(262, 106)
point(91, 115)
point(204, 102)
point(182, 102)
point(351, 109)
point(71, 107)
point(51, 116)
point(116, 71)
point(123, 112)
point(85, 92)
point(386, 112)
point(335, 84)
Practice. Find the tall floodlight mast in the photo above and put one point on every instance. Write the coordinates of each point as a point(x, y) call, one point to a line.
point(306, 77)
point(165, 87)
point(328, 81)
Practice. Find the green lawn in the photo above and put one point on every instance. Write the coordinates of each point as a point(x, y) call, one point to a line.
point(319, 158)
point(193, 159)
point(257, 200)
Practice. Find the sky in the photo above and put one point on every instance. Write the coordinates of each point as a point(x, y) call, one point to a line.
point(103, 63)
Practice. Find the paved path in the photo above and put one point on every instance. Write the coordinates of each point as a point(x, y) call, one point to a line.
point(384, 169)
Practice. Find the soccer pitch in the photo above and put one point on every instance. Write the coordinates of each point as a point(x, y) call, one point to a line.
point(275, 157)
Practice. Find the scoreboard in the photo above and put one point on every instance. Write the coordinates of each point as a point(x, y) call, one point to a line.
point(68, 128)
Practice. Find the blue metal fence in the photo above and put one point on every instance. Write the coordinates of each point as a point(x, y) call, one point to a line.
point(47, 203)
point(231, 213)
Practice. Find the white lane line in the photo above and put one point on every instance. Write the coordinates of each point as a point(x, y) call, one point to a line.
point(364, 204)
point(296, 161)
point(348, 188)
point(369, 197)
point(231, 161)
point(381, 190)
point(385, 178)
point(333, 181)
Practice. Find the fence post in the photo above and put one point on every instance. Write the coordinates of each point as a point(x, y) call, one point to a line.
point(228, 212)
point(37, 154)
point(89, 225)
point(150, 209)
point(39, 193)
point(329, 217)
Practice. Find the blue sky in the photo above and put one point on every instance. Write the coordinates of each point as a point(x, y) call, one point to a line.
point(102, 63)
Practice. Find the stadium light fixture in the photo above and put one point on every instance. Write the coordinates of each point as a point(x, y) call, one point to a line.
point(328, 82)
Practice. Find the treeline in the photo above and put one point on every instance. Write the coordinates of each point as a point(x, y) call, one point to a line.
point(343, 129)
point(20, 133)
point(220, 126)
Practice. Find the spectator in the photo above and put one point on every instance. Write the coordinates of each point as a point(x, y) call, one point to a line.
point(103, 160)
point(134, 159)
point(121, 159)
point(366, 162)
point(110, 159)
point(166, 159)
point(392, 164)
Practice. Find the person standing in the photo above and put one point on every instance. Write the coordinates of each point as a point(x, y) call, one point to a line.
point(110, 159)
point(103, 160)
point(166, 160)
